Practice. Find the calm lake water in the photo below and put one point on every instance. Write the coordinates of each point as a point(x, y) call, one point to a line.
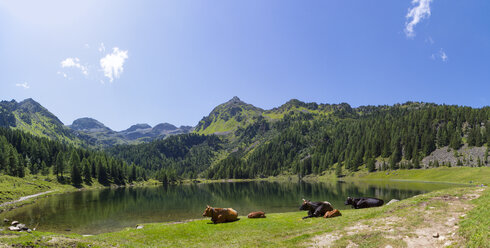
point(97, 211)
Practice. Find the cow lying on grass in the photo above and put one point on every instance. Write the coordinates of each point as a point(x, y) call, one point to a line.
point(221, 215)
point(364, 202)
point(254, 215)
point(315, 209)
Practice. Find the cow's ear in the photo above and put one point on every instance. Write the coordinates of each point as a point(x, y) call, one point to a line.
point(207, 206)
point(304, 200)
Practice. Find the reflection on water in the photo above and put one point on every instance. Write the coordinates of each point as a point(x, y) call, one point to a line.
point(96, 211)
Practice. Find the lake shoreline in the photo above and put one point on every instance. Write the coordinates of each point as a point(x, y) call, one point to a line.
point(387, 176)
point(289, 230)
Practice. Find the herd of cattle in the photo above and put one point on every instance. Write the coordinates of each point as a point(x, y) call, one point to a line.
point(315, 209)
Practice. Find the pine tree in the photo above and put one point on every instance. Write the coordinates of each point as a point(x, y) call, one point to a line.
point(44, 169)
point(455, 141)
point(87, 174)
point(371, 165)
point(338, 170)
point(60, 165)
point(76, 176)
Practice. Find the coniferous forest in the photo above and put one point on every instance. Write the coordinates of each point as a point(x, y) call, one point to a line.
point(301, 139)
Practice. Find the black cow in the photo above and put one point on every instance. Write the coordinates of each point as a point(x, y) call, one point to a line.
point(364, 202)
point(315, 209)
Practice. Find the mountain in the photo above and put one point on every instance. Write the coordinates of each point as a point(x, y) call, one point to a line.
point(30, 116)
point(227, 117)
point(89, 125)
point(97, 134)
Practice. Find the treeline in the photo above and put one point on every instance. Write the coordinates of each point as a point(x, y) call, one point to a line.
point(173, 158)
point(22, 153)
point(309, 143)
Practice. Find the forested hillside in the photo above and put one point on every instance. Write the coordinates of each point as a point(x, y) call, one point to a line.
point(309, 141)
point(22, 153)
point(239, 140)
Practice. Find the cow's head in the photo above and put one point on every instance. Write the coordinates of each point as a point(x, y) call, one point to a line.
point(349, 201)
point(208, 211)
point(305, 205)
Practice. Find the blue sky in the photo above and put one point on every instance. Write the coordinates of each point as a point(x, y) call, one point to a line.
point(127, 62)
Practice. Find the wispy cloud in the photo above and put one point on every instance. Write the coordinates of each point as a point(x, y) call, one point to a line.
point(112, 64)
point(24, 85)
point(443, 55)
point(75, 63)
point(419, 11)
point(440, 55)
point(101, 47)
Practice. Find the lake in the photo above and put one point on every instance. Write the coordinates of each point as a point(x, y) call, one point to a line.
point(98, 211)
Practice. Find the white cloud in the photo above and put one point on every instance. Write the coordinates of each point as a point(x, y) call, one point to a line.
point(440, 55)
point(101, 47)
point(74, 62)
point(443, 55)
point(62, 74)
point(112, 64)
point(24, 85)
point(419, 11)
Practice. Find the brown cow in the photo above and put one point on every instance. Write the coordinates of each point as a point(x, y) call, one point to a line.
point(333, 213)
point(259, 214)
point(221, 215)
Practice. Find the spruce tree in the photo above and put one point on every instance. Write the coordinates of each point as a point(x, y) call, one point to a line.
point(371, 165)
point(76, 175)
point(455, 141)
point(87, 174)
point(60, 165)
point(338, 170)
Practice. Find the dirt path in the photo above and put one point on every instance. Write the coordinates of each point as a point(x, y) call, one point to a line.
point(24, 198)
point(430, 223)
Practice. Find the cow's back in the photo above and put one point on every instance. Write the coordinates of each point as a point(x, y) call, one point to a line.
point(327, 206)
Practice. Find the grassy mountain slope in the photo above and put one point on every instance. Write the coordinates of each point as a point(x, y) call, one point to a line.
point(31, 117)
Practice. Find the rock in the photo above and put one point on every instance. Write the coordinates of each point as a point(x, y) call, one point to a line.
point(435, 235)
point(392, 201)
point(139, 227)
point(6, 220)
point(68, 229)
point(14, 223)
point(1, 229)
point(22, 226)
point(14, 228)
point(333, 213)
point(29, 230)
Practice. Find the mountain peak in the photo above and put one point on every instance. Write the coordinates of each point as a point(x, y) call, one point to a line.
point(138, 126)
point(88, 124)
point(235, 99)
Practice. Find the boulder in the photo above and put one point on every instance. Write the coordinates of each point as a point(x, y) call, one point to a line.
point(29, 230)
point(435, 235)
point(139, 227)
point(6, 220)
point(333, 213)
point(22, 226)
point(14, 228)
point(392, 201)
point(14, 223)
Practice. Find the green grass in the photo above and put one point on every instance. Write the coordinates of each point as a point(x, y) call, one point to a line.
point(12, 188)
point(463, 175)
point(277, 230)
point(476, 226)
point(289, 230)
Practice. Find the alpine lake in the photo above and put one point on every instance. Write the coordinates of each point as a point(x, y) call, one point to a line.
point(107, 210)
